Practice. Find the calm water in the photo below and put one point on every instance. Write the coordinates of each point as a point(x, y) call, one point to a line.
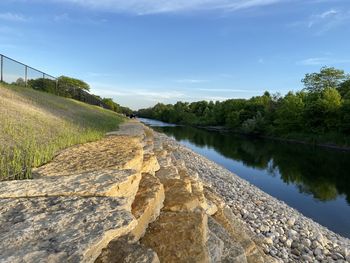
point(314, 180)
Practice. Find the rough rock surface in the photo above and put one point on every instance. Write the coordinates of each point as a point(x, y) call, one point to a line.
point(60, 229)
point(112, 152)
point(100, 183)
point(232, 251)
point(122, 250)
point(147, 204)
point(178, 237)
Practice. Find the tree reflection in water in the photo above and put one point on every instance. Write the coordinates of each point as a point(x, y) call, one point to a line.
point(320, 172)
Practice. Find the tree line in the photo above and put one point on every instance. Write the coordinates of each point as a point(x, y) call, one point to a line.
point(319, 112)
point(73, 88)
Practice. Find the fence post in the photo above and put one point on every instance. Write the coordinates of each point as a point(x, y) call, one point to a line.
point(2, 70)
point(26, 76)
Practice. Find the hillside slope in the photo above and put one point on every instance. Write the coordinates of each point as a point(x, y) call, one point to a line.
point(35, 125)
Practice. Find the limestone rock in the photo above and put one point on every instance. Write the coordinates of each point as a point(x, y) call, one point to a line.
point(113, 152)
point(179, 237)
point(178, 196)
point(165, 173)
point(150, 164)
point(235, 228)
point(61, 229)
point(101, 183)
point(233, 252)
point(121, 250)
point(147, 204)
point(215, 248)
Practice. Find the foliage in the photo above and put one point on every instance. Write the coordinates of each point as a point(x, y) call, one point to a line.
point(73, 82)
point(326, 78)
point(321, 110)
point(112, 105)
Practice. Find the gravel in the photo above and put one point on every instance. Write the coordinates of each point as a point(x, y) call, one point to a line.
point(287, 235)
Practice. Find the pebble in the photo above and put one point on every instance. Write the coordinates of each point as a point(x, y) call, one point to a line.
point(291, 221)
point(318, 251)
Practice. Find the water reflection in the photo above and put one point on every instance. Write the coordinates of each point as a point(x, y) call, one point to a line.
point(322, 173)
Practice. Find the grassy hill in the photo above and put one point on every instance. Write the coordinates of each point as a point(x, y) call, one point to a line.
point(35, 125)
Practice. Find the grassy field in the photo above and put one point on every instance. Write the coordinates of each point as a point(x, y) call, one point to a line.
point(35, 125)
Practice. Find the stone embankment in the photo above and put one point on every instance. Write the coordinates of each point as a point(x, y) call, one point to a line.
point(137, 196)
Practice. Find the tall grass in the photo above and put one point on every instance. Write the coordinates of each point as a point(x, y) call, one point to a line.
point(35, 125)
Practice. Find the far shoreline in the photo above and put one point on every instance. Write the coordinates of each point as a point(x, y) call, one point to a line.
point(224, 129)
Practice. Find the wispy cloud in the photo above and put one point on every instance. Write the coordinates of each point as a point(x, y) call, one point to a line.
point(12, 17)
point(322, 61)
point(323, 22)
point(144, 7)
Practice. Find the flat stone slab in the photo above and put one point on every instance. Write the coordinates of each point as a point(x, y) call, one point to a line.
point(60, 229)
point(116, 183)
point(112, 152)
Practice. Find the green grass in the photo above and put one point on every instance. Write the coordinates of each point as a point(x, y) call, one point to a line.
point(35, 125)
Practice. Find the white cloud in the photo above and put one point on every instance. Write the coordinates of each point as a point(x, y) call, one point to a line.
point(143, 7)
point(12, 17)
point(322, 61)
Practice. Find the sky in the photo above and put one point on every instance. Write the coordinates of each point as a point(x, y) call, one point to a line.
point(140, 52)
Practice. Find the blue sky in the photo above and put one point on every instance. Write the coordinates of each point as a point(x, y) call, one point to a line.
point(140, 52)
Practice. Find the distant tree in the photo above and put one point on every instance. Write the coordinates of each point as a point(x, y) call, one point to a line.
point(328, 77)
point(73, 83)
point(254, 125)
point(111, 104)
point(344, 89)
point(345, 116)
point(43, 84)
point(20, 82)
point(322, 110)
point(289, 113)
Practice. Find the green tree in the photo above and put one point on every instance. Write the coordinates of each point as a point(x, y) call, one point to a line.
point(289, 113)
point(73, 83)
point(322, 110)
point(111, 104)
point(344, 89)
point(328, 77)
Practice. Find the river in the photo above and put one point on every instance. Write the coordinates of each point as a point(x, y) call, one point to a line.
point(311, 179)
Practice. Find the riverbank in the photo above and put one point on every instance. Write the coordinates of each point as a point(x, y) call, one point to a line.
point(284, 232)
point(122, 199)
point(137, 196)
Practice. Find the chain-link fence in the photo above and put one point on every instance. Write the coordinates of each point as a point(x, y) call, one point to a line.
point(13, 72)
